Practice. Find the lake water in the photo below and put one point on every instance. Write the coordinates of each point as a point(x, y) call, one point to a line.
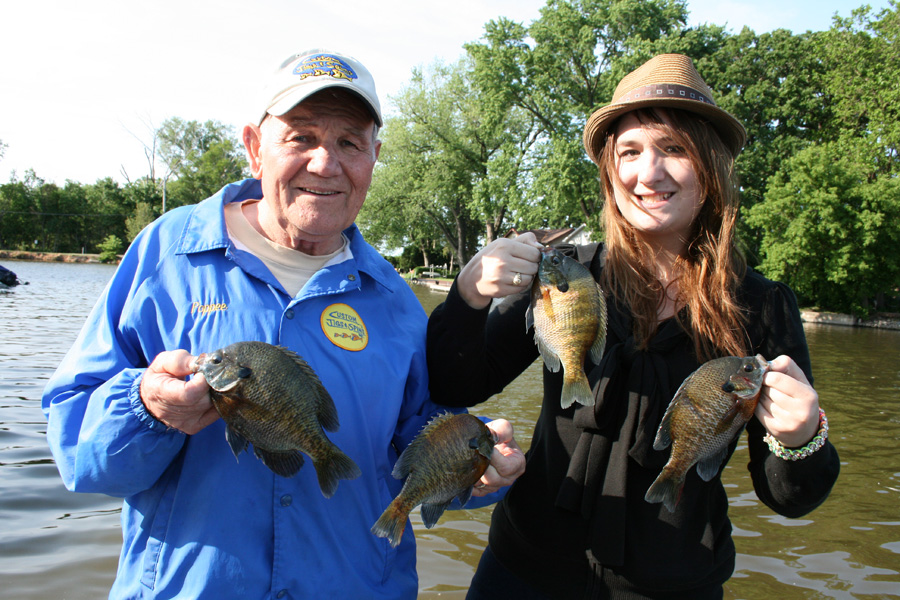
point(55, 544)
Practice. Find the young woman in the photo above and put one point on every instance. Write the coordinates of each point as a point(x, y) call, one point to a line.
point(576, 524)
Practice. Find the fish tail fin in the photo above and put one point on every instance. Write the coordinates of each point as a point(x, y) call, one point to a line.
point(666, 489)
point(334, 466)
point(576, 389)
point(392, 523)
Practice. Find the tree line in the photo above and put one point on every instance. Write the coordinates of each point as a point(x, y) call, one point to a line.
point(103, 217)
point(493, 141)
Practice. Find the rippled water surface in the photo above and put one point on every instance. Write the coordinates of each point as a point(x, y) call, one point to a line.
point(59, 545)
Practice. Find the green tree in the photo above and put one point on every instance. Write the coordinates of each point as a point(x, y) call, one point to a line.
point(862, 56)
point(558, 70)
point(18, 216)
point(452, 167)
point(142, 216)
point(829, 230)
point(201, 157)
point(145, 195)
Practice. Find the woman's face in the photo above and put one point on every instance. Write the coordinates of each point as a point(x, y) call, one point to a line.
point(659, 193)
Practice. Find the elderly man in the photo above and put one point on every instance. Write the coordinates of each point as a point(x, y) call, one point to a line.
point(277, 259)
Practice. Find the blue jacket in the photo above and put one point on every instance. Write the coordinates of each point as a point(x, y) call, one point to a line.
point(196, 522)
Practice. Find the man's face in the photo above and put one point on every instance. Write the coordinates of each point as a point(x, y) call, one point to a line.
point(315, 164)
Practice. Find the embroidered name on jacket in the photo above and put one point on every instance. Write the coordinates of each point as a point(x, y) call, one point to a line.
point(344, 327)
point(204, 309)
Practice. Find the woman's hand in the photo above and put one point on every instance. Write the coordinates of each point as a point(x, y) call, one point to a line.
point(503, 267)
point(507, 460)
point(788, 406)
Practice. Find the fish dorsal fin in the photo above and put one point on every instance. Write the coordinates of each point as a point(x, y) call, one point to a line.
point(600, 341)
point(404, 464)
point(663, 436)
point(326, 412)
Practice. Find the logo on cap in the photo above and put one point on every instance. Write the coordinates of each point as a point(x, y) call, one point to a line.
point(324, 64)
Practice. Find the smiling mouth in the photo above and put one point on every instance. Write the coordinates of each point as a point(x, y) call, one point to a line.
point(318, 192)
point(656, 197)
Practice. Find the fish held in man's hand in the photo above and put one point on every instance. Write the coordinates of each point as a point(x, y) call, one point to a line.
point(270, 397)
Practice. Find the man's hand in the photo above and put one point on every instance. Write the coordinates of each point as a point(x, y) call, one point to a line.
point(183, 405)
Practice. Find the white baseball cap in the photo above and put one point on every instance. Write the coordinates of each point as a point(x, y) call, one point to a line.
point(304, 74)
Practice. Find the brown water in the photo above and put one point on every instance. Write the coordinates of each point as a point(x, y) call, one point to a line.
point(59, 545)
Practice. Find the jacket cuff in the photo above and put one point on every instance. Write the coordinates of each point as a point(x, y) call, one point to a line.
point(140, 411)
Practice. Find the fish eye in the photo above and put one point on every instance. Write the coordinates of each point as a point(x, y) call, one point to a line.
point(555, 260)
point(749, 367)
point(473, 443)
point(215, 358)
point(728, 387)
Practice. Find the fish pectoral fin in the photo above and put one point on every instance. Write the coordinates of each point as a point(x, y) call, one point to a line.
point(286, 464)
point(432, 512)
point(709, 466)
point(725, 423)
point(236, 441)
point(551, 360)
point(465, 495)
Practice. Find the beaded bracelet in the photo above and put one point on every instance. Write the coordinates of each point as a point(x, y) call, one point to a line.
point(817, 442)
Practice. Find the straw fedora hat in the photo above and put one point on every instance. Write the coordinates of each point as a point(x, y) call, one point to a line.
point(668, 80)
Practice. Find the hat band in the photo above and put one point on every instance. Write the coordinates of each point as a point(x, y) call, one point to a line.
point(665, 91)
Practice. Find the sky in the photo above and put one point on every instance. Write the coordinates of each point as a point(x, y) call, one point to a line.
point(83, 84)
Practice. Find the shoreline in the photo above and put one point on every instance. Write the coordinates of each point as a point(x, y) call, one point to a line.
point(886, 321)
point(49, 256)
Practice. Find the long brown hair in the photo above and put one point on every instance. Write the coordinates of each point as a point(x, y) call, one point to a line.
point(709, 271)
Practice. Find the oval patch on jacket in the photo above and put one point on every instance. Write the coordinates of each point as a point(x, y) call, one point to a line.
point(344, 327)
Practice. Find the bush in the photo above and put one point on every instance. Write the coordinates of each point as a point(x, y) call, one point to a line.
point(110, 249)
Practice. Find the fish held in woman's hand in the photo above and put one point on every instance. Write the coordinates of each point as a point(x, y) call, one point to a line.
point(708, 412)
point(270, 397)
point(443, 462)
point(568, 312)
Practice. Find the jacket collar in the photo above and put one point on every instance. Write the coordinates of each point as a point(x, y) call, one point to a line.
point(205, 230)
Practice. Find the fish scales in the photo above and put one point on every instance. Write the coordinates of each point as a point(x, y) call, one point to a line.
point(270, 397)
point(568, 313)
point(443, 462)
point(707, 413)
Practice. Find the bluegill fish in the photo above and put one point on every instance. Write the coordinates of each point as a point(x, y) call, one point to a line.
point(568, 312)
point(443, 462)
point(708, 412)
point(270, 397)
